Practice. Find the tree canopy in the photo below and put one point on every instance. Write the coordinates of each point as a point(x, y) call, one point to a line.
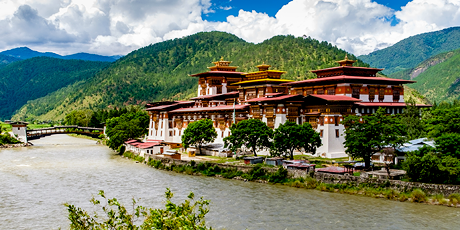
point(290, 136)
point(252, 134)
point(199, 133)
point(367, 135)
point(130, 125)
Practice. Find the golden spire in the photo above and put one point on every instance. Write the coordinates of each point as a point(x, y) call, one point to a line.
point(346, 61)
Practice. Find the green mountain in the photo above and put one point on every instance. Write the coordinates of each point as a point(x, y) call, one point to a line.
point(160, 71)
point(438, 78)
point(411, 51)
point(26, 80)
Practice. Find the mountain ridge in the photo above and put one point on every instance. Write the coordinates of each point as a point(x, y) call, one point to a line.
point(410, 52)
point(160, 71)
point(26, 53)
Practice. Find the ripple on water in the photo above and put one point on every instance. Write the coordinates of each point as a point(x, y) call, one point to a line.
point(72, 171)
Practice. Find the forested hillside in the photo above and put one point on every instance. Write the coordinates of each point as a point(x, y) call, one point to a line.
point(33, 78)
point(23, 53)
point(5, 60)
point(411, 51)
point(160, 71)
point(438, 78)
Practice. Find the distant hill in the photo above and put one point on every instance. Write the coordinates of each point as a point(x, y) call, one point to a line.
point(26, 53)
point(438, 78)
point(5, 60)
point(160, 71)
point(411, 51)
point(29, 79)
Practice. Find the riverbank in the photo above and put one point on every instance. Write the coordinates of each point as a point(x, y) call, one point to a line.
point(445, 195)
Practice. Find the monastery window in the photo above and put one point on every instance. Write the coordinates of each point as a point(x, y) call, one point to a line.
point(309, 91)
point(179, 132)
point(337, 133)
point(174, 132)
point(381, 94)
point(371, 94)
point(336, 119)
point(222, 134)
point(355, 92)
point(219, 89)
point(170, 133)
point(321, 133)
point(321, 121)
point(330, 91)
point(161, 124)
point(396, 95)
point(170, 124)
point(156, 133)
point(161, 133)
point(320, 91)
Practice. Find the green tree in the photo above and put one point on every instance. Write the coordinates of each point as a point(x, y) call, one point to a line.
point(199, 133)
point(252, 133)
point(428, 166)
point(186, 215)
point(130, 125)
point(367, 135)
point(79, 117)
point(448, 144)
point(291, 136)
point(414, 126)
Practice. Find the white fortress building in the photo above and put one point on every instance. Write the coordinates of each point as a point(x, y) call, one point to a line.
point(323, 102)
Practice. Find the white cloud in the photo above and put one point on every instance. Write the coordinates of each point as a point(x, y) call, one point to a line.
point(118, 27)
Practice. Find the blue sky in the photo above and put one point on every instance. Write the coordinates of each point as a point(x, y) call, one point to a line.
point(224, 8)
point(109, 27)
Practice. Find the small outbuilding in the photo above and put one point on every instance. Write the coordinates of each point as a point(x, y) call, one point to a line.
point(274, 161)
point(253, 160)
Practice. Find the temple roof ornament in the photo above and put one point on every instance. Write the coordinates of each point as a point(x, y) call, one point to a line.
point(222, 65)
point(346, 61)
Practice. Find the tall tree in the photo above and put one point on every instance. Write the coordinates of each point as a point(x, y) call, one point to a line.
point(130, 125)
point(411, 117)
point(290, 136)
point(367, 135)
point(199, 133)
point(253, 134)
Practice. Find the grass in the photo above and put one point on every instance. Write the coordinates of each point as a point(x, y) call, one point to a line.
point(6, 127)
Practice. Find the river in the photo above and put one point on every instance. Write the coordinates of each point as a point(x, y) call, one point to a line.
point(36, 181)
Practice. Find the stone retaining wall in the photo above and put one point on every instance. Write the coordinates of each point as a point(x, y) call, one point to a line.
point(14, 145)
point(402, 186)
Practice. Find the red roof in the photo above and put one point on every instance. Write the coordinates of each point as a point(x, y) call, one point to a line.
point(280, 98)
point(146, 145)
point(178, 103)
point(347, 67)
point(226, 107)
point(332, 169)
point(345, 78)
point(131, 141)
point(217, 72)
point(388, 104)
point(335, 97)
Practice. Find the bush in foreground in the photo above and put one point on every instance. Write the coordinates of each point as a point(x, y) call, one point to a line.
point(186, 215)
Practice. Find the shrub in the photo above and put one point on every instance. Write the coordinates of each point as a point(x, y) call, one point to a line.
point(279, 176)
point(297, 184)
point(391, 194)
point(403, 197)
point(418, 196)
point(121, 149)
point(311, 183)
point(454, 195)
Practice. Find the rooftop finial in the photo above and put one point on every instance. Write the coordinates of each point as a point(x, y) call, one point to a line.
point(221, 58)
point(346, 56)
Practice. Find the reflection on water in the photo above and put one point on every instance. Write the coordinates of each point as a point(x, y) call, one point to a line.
point(37, 180)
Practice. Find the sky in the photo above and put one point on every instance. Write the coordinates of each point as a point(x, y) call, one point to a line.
point(117, 27)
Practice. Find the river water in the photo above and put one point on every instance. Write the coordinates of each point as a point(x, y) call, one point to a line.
point(36, 181)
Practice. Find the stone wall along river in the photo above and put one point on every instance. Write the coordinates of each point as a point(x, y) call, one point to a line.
point(36, 181)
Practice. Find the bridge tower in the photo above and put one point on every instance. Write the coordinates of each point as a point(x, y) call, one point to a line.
point(20, 130)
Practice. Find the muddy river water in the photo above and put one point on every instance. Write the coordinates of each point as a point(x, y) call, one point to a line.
point(36, 181)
